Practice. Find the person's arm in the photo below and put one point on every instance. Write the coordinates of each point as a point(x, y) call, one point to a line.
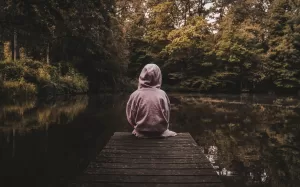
point(165, 107)
point(168, 109)
point(131, 111)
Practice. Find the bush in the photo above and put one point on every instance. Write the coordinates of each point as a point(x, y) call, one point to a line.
point(32, 77)
point(11, 71)
point(74, 83)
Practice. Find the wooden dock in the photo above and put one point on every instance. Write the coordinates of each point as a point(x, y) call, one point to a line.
point(132, 162)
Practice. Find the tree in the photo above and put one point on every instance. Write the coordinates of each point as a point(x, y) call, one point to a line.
point(241, 44)
point(283, 42)
point(190, 57)
point(247, 45)
point(86, 34)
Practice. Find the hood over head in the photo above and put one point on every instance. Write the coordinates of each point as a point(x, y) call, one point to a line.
point(150, 77)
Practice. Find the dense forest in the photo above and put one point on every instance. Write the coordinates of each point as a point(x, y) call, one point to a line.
point(55, 44)
point(200, 45)
point(234, 45)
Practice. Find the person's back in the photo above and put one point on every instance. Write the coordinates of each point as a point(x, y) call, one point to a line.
point(148, 108)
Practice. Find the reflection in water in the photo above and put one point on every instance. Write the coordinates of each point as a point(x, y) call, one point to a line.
point(21, 118)
point(47, 143)
point(250, 140)
point(29, 115)
point(249, 144)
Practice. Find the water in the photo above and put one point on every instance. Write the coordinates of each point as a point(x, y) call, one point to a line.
point(250, 140)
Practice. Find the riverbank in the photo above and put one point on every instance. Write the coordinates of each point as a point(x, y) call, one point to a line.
point(28, 78)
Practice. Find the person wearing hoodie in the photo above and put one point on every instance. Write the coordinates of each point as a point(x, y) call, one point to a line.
point(148, 108)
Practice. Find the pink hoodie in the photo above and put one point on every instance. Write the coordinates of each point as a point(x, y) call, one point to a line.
point(148, 108)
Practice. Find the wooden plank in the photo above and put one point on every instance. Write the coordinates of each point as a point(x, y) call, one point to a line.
point(129, 144)
point(137, 151)
point(149, 144)
point(124, 137)
point(151, 172)
point(153, 141)
point(149, 179)
point(126, 134)
point(153, 144)
point(150, 165)
point(132, 138)
point(152, 160)
point(128, 137)
point(150, 138)
point(129, 161)
point(160, 156)
point(163, 149)
point(144, 185)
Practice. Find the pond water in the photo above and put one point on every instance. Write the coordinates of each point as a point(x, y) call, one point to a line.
point(251, 140)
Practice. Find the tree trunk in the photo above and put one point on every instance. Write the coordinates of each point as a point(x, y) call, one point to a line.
point(48, 56)
point(7, 50)
point(1, 51)
point(15, 45)
point(200, 8)
point(14, 142)
point(185, 13)
point(241, 85)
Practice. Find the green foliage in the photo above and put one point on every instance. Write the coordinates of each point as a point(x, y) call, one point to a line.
point(160, 22)
point(86, 34)
point(232, 45)
point(240, 46)
point(284, 51)
point(190, 47)
point(32, 77)
point(73, 83)
point(229, 45)
point(192, 36)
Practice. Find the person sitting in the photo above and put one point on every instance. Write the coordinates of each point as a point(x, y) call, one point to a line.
point(148, 108)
